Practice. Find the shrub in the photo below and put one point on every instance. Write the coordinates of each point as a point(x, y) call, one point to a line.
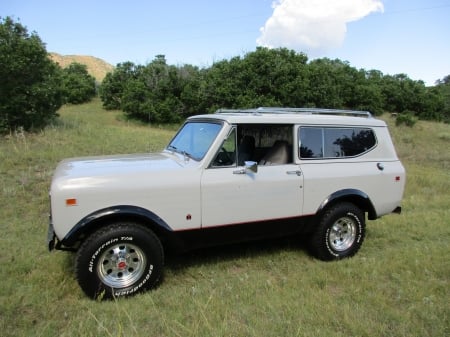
point(407, 118)
point(30, 82)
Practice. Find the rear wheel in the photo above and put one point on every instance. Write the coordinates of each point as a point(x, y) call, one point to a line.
point(121, 259)
point(340, 232)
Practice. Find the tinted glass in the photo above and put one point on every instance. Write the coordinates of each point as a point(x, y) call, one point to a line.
point(335, 142)
point(311, 142)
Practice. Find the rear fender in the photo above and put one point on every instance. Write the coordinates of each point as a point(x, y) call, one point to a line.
point(354, 196)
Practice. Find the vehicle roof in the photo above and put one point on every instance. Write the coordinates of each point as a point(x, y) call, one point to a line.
point(294, 116)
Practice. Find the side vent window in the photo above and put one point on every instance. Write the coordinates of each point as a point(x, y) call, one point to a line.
point(335, 142)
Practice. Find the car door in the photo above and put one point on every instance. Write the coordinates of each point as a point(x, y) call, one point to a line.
point(228, 197)
point(235, 194)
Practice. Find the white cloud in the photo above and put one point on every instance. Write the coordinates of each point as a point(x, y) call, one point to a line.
point(313, 26)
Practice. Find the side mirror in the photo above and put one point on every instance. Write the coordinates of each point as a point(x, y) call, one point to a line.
point(251, 166)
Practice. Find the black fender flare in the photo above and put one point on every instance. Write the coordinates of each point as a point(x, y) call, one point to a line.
point(359, 198)
point(95, 220)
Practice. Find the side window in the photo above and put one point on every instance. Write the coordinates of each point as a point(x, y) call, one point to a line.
point(266, 144)
point(335, 142)
point(227, 152)
point(246, 149)
point(311, 142)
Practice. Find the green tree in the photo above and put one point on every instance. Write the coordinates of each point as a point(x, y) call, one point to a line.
point(192, 79)
point(154, 95)
point(135, 100)
point(265, 77)
point(222, 87)
point(150, 93)
point(398, 91)
point(274, 77)
point(164, 93)
point(404, 95)
point(359, 90)
point(30, 83)
point(324, 82)
point(79, 86)
point(442, 91)
point(115, 82)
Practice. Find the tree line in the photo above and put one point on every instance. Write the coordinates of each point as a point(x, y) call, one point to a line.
point(162, 93)
point(33, 87)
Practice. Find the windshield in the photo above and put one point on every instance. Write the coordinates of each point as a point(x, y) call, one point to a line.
point(194, 139)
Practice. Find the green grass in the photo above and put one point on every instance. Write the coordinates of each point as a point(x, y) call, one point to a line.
point(397, 285)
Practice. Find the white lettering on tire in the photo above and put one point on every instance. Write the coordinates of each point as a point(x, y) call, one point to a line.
point(94, 256)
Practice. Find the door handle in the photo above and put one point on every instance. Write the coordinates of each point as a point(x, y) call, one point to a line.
point(240, 171)
point(298, 172)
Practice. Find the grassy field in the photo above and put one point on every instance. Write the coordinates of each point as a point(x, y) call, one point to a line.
point(397, 285)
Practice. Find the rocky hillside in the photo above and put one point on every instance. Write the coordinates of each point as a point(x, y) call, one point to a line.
point(95, 66)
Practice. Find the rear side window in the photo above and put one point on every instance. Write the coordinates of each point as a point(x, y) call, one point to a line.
point(335, 142)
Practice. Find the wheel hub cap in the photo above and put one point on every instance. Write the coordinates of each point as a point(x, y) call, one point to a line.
point(342, 234)
point(121, 265)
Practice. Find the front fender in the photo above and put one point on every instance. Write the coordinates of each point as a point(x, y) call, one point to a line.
point(96, 219)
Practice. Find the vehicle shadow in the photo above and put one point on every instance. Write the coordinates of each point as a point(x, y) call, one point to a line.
point(179, 262)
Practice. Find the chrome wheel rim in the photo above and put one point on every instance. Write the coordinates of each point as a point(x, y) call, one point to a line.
point(342, 234)
point(121, 265)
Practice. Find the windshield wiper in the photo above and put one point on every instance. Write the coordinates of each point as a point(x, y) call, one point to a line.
point(186, 154)
point(175, 149)
point(172, 148)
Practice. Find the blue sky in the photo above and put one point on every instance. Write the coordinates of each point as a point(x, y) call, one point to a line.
point(393, 36)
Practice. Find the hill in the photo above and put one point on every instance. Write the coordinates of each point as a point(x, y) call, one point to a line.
point(95, 66)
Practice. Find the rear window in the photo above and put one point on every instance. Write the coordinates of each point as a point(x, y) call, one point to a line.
point(334, 142)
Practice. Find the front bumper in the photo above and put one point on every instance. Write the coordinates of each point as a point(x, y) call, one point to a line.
point(53, 242)
point(51, 236)
point(397, 210)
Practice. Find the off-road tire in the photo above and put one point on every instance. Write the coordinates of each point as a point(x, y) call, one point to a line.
point(121, 259)
point(340, 232)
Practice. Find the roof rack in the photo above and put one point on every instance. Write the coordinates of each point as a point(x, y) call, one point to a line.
point(305, 111)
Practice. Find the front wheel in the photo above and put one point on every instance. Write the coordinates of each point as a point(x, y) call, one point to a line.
point(340, 232)
point(121, 259)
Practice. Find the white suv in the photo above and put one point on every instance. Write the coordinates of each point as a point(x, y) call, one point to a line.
point(230, 176)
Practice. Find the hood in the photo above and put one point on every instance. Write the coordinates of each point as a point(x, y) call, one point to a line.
point(116, 165)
